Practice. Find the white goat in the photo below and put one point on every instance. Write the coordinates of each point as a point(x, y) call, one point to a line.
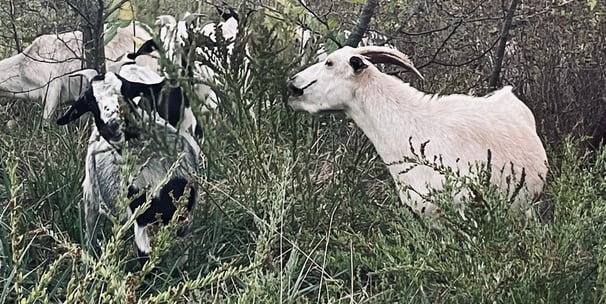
point(458, 130)
point(42, 70)
point(165, 160)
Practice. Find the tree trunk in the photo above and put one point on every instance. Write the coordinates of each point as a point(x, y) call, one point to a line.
point(92, 34)
point(14, 26)
point(362, 25)
point(494, 80)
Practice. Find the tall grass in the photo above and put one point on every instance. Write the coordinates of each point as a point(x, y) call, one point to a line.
point(293, 209)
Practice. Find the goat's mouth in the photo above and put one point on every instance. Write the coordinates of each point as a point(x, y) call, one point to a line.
point(111, 131)
point(296, 92)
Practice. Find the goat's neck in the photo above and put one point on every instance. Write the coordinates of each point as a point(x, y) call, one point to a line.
point(392, 115)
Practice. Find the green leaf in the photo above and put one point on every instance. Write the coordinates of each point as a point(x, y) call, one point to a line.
point(333, 23)
point(110, 33)
point(127, 11)
point(592, 4)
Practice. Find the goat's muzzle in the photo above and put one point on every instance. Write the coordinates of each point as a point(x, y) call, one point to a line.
point(294, 91)
point(112, 132)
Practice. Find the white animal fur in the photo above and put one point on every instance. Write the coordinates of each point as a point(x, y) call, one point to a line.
point(41, 70)
point(458, 128)
point(174, 35)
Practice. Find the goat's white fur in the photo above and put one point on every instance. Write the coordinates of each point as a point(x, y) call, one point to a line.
point(174, 34)
point(106, 93)
point(229, 31)
point(140, 74)
point(141, 236)
point(459, 129)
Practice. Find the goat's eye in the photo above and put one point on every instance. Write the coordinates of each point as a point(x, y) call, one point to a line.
point(328, 63)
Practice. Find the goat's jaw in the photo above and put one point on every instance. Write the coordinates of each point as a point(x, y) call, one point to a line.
point(301, 104)
point(295, 91)
point(297, 99)
point(112, 132)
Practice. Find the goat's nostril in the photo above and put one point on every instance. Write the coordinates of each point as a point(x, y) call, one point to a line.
point(294, 90)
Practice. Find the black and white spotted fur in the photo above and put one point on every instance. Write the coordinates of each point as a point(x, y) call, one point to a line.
point(115, 135)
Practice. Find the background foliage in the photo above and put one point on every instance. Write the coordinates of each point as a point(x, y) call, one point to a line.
point(300, 209)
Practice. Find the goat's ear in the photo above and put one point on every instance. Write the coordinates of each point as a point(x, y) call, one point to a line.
point(140, 74)
point(165, 20)
point(146, 48)
point(227, 12)
point(232, 14)
point(75, 111)
point(132, 89)
point(357, 64)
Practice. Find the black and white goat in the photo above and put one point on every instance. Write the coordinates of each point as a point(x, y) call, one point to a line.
point(164, 160)
point(162, 96)
point(177, 36)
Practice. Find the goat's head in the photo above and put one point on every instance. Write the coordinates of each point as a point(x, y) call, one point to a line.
point(227, 12)
point(330, 84)
point(109, 98)
point(101, 99)
point(174, 34)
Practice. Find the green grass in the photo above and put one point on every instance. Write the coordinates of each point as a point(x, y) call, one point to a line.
point(292, 209)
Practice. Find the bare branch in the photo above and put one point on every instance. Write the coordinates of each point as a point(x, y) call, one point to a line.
point(443, 44)
point(486, 51)
point(76, 8)
point(14, 26)
point(401, 31)
point(320, 19)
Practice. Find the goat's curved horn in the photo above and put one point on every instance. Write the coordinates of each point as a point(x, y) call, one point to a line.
point(381, 54)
